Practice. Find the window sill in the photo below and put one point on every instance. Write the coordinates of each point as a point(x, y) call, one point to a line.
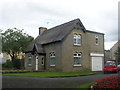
point(97, 44)
point(77, 65)
point(52, 65)
point(77, 44)
point(29, 64)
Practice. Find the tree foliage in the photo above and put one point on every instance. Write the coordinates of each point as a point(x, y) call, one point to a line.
point(14, 41)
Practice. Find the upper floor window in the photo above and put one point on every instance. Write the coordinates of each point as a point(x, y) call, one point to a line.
point(29, 59)
point(77, 39)
point(52, 59)
point(77, 59)
point(96, 40)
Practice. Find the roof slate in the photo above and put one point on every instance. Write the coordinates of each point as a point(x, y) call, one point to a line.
point(55, 34)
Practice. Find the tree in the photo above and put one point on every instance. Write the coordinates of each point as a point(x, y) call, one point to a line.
point(14, 41)
point(117, 55)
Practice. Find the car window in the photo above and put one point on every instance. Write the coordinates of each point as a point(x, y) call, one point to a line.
point(110, 64)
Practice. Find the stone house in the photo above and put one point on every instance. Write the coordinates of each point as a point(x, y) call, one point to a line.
point(113, 49)
point(107, 55)
point(68, 47)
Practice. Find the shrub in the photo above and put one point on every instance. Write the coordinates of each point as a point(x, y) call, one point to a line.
point(18, 64)
point(8, 64)
point(112, 82)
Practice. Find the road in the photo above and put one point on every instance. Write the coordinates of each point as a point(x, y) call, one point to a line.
point(35, 82)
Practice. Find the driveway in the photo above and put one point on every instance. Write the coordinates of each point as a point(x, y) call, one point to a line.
point(34, 82)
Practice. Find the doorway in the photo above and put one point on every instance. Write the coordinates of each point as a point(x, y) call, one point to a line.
point(36, 63)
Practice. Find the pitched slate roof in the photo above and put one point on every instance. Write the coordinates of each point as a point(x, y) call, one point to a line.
point(54, 34)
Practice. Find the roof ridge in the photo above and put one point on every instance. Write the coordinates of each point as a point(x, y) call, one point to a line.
point(64, 23)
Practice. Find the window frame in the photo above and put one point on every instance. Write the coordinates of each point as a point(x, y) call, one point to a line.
point(52, 55)
point(30, 58)
point(79, 57)
point(77, 39)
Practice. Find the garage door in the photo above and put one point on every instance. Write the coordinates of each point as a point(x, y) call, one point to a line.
point(97, 64)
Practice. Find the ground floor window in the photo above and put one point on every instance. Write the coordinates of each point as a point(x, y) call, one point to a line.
point(77, 59)
point(29, 59)
point(52, 59)
point(42, 60)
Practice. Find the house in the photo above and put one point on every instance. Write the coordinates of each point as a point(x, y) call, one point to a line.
point(68, 47)
point(114, 49)
point(107, 55)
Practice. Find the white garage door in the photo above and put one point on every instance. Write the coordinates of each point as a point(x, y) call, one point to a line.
point(97, 64)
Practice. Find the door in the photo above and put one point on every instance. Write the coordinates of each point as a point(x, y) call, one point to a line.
point(97, 64)
point(36, 63)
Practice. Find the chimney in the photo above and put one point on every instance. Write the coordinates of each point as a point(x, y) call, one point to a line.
point(41, 30)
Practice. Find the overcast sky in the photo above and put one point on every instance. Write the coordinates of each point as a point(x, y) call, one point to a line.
point(96, 15)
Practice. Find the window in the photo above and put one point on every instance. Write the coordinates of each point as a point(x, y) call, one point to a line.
point(96, 40)
point(77, 39)
point(77, 59)
point(29, 59)
point(42, 60)
point(52, 59)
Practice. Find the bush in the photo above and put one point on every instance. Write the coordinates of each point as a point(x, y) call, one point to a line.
point(8, 64)
point(112, 82)
point(18, 64)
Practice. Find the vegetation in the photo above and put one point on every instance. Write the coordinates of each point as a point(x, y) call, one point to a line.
point(51, 74)
point(112, 82)
point(8, 64)
point(85, 86)
point(14, 41)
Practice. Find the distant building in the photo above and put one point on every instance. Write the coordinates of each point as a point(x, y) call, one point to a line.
point(113, 50)
point(2, 58)
point(107, 55)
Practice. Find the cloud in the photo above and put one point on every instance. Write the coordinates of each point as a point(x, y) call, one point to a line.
point(96, 15)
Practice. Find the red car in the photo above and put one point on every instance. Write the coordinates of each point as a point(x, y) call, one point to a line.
point(110, 67)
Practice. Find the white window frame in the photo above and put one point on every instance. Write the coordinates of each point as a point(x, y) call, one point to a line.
point(29, 57)
point(77, 39)
point(96, 40)
point(79, 56)
point(52, 55)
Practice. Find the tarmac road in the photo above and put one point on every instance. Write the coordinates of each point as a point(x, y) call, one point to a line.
point(36, 82)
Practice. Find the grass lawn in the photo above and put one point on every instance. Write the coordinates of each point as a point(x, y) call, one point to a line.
point(51, 74)
point(85, 86)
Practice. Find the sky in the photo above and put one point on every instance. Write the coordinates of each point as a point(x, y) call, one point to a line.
point(96, 15)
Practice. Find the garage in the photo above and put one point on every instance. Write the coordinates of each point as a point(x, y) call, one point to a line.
point(97, 62)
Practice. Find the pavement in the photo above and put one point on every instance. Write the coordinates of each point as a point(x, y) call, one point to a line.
point(37, 82)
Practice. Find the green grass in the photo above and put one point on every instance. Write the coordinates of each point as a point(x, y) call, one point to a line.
point(85, 86)
point(50, 74)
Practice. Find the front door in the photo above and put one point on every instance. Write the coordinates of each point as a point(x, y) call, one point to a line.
point(36, 68)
